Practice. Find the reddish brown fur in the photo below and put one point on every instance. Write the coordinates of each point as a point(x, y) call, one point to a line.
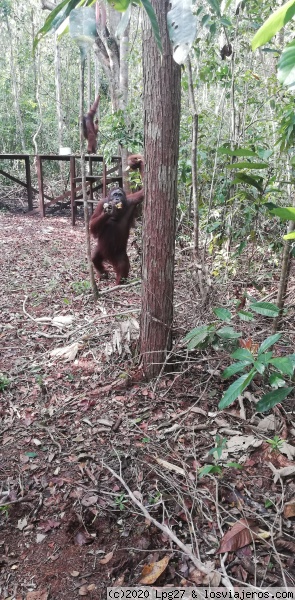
point(90, 127)
point(110, 224)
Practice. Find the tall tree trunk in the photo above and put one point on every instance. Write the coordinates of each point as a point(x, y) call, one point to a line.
point(161, 90)
point(194, 157)
point(124, 79)
point(84, 189)
point(18, 118)
point(60, 122)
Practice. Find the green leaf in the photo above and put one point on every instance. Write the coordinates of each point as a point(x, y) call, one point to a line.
point(50, 22)
point(243, 354)
point(182, 28)
point(272, 398)
point(234, 465)
point(273, 24)
point(154, 23)
point(215, 6)
point(243, 178)
point(267, 309)
point(237, 152)
point(283, 364)
point(223, 314)
point(286, 213)
point(247, 165)
point(286, 65)
point(264, 359)
point(259, 366)
point(245, 316)
point(269, 341)
point(198, 335)
point(209, 469)
point(234, 368)
point(289, 236)
point(228, 333)
point(276, 380)
point(225, 22)
point(235, 389)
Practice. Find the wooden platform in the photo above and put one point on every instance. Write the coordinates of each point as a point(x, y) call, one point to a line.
point(111, 175)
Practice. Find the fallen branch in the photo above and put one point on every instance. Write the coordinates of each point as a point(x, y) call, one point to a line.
point(166, 530)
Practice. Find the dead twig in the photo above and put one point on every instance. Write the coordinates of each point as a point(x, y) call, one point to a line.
point(166, 530)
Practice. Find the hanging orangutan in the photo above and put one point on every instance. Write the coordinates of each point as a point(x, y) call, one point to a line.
point(90, 127)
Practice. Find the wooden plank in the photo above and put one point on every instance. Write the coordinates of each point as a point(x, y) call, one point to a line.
point(13, 178)
point(13, 156)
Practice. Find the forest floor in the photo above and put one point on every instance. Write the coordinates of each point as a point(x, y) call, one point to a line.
point(76, 413)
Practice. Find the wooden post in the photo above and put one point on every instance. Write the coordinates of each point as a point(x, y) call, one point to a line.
point(104, 179)
point(29, 183)
point(73, 189)
point(90, 172)
point(40, 185)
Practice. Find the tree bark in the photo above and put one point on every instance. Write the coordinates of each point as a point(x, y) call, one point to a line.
point(84, 189)
point(124, 79)
point(60, 122)
point(161, 87)
point(18, 117)
point(194, 155)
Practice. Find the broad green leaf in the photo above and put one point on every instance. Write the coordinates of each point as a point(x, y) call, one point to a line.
point(286, 213)
point(50, 22)
point(243, 354)
point(195, 337)
point(276, 380)
point(259, 366)
point(267, 309)
point(182, 28)
point(228, 333)
point(225, 22)
point(215, 5)
point(154, 23)
point(234, 368)
point(223, 314)
point(235, 389)
point(245, 316)
point(205, 19)
point(264, 154)
point(272, 398)
point(237, 152)
point(209, 469)
point(273, 24)
point(196, 331)
point(283, 364)
point(243, 178)
point(265, 358)
point(247, 165)
point(289, 236)
point(268, 342)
